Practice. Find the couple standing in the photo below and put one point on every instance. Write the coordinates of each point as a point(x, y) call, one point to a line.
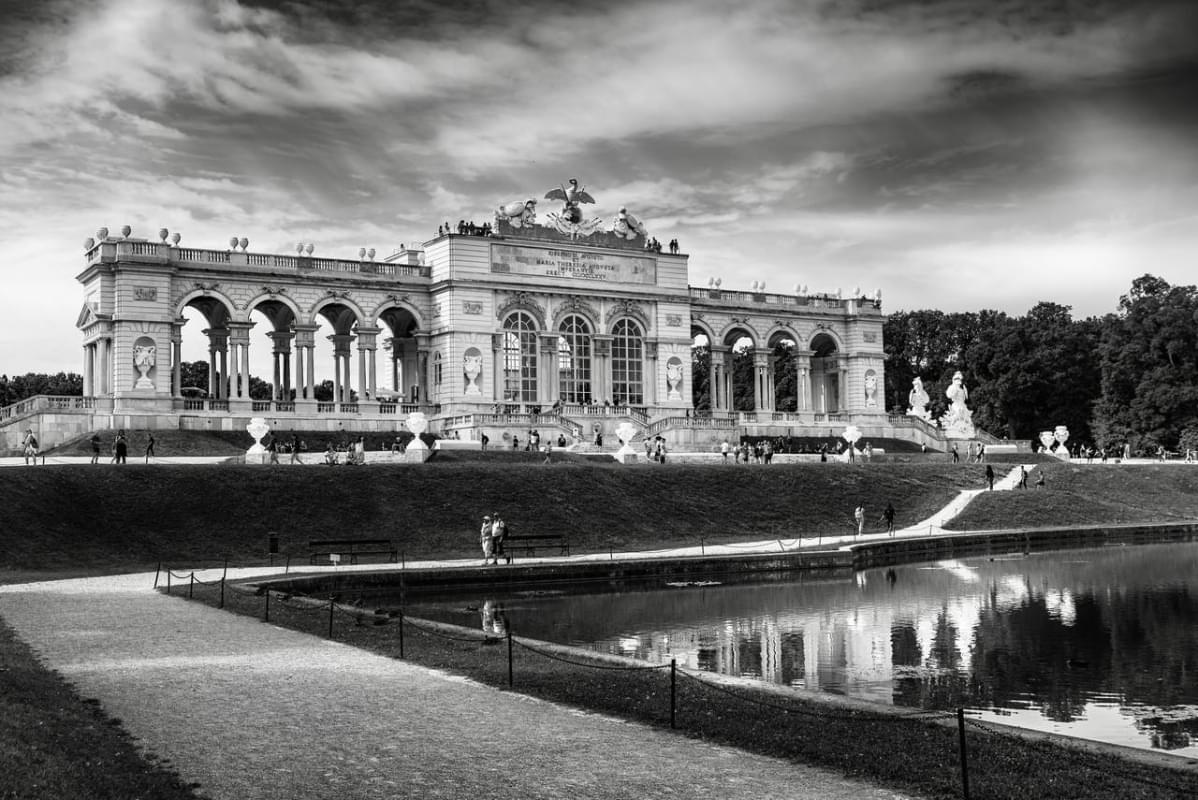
point(491, 536)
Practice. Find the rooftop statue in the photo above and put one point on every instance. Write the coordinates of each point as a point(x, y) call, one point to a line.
point(918, 398)
point(519, 214)
point(627, 226)
point(570, 220)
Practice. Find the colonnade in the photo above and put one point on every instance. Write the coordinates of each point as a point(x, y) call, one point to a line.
point(818, 392)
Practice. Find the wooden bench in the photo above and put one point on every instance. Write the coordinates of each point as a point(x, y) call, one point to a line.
point(350, 549)
point(527, 543)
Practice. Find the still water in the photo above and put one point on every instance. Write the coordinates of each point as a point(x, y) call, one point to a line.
point(1100, 644)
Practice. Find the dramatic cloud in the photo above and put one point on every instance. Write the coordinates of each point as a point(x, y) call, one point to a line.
point(955, 153)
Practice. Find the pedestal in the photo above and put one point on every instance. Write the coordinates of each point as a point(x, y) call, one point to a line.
point(625, 457)
point(257, 458)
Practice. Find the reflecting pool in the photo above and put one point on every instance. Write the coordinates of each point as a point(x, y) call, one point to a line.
point(1101, 644)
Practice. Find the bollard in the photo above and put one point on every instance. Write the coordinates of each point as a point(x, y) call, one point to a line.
point(510, 678)
point(673, 692)
point(964, 754)
point(702, 546)
point(266, 613)
point(330, 616)
point(222, 592)
point(401, 633)
point(403, 560)
point(191, 585)
point(225, 573)
point(168, 581)
point(156, 572)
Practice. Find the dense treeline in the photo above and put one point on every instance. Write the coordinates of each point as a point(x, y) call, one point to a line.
point(18, 387)
point(1127, 377)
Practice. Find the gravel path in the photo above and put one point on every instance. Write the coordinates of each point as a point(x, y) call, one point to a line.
point(250, 711)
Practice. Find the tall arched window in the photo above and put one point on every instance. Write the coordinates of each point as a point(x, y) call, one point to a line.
point(438, 374)
point(520, 359)
point(574, 360)
point(627, 372)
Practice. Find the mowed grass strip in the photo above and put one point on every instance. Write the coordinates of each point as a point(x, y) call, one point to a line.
point(106, 517)
point(56, 745)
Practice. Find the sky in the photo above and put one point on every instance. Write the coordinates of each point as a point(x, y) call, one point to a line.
point(956, 154)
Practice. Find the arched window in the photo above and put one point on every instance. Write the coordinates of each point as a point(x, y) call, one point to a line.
point(574, 360)
point(520, 359)
point(627, 371)
point(438, 372)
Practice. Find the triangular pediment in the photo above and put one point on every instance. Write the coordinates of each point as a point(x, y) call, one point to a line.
point(87, 316)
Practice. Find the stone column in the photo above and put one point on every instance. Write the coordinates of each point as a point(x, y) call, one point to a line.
point(763, 399)
point(89, 375)
point(218, 347)
point(177, 359)
point(239, 338)
point(305, 361)
point(601, 371)
point(547, 374)
point(713, 378)
point(649, 394)
point(803, 379)
point(342, 383)
point(367, 380)
point(423, 348)
point(498, 376)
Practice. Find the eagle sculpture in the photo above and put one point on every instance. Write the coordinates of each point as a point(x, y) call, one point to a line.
point(572, 196)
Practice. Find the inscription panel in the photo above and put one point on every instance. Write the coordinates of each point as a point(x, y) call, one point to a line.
point(559, 263)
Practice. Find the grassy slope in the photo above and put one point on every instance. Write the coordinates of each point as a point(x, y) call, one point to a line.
point(96, 517)
point(1077, 494)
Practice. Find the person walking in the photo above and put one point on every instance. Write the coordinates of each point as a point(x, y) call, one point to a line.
point(120, 448)
point(1040, 480)
point(956, 455)
point(1022, 477)
point(990, 476)
point(888, 518)
point(295, 459)
point(95, 440)
point(30, 446)
point(859, 516)
point(724, 448)
point(485, 539)
point(149, 446)
point(498, 536)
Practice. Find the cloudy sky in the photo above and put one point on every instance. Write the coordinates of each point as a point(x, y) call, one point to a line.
point(958, 154)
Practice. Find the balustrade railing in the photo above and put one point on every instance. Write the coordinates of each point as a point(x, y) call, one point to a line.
point(45, 402)
point(193, 255)
point(326, 408)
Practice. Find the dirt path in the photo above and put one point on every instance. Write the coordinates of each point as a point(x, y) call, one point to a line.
point(249, 711)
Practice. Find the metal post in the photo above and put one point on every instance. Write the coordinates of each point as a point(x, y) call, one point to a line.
point(401, 633)
point(964, 754)
point(702, 546)
point(191, 585)
point(510, 679)
point(673, 691)
point(156, 572)
point(330, 616)
point(266, 614)
point(222, 592)
point(168, 581)
point(225, 574)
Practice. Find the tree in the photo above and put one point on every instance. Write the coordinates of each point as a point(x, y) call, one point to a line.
point(20, 387)
point(786, 381)
point(1149, 357)
point(701, 377)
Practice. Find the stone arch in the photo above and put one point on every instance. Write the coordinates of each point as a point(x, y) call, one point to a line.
point(781, 331)
point(273, 305)
point(827, 389)
point(824, 342)
point(400, 306)
point(343, 320)
point(522, 301)
point(784, 343)
point(627, 309)
point(207, 301)
point(736, 330)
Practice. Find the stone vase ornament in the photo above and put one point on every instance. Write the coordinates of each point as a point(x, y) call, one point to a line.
point(143, 362)
point(258, 430)
point(472, 367)
point(852, 435)
point(673, 380)
point(417, 451)
point(1046, 440)
point(1061, 434)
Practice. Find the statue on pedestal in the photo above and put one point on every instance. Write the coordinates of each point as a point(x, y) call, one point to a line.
point(918, 398)
point(143, 361)
point(958, 420)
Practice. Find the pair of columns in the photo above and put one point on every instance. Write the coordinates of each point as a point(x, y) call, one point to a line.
point(97, 367)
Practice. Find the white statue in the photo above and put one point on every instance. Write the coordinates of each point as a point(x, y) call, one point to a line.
point(257, 429)
point(871, 389)
point(473, 367)
point(918, 398)
point(958, 419)
point(673, 380)
point(518, 213)
point(627, 226)
point(143, 361)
